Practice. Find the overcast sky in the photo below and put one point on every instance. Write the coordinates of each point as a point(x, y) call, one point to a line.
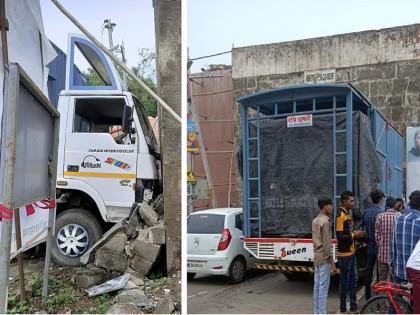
point(215, 25)
point(134, 18)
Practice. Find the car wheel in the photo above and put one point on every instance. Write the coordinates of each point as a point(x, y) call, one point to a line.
point(237, 270)
point(76, 230)
point(190, 275)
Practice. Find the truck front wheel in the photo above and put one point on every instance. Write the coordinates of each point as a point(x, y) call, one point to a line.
point(76, 230)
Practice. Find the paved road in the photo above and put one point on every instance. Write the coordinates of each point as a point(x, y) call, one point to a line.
point(261, 293)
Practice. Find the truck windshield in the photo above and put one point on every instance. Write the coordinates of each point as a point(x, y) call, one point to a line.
point(145, 125)
point(205, 224)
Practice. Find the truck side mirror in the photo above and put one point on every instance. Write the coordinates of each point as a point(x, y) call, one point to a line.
point(127, 119)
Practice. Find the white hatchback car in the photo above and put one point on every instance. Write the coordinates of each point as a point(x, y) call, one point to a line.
point(215, 244)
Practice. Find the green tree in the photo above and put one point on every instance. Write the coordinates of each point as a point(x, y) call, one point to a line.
point(145, 70)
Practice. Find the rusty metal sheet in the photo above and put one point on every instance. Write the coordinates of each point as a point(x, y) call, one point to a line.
point(212, 94)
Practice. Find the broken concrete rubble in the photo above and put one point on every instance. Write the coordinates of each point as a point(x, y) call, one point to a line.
point(86, 257)
point(133, 296)
point(133, 247)
point(165, 305)
point(110, 260)
point(157, 235)
point(124, 308)
point(146, 249)
point(89, 276)
point(141, 266)
point(148, 214)
point(116, 243)
point(121, 250)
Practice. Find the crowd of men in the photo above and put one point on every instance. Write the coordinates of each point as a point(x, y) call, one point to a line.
point(392, 237)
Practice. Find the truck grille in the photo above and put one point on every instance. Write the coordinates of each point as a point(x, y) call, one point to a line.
point(261, 250)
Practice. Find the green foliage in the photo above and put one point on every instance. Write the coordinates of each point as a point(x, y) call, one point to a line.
point(15, 306)
point(102, 303)
point(145, 70)
point(35, 282)
point(158, 279)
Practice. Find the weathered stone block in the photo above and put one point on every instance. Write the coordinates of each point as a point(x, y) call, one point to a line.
point(89, 276)
point(124, 308)
point(165, 306)
point(116, 243)
point(133, 296)
point(110, 260)
point(394, 101)
point(400, 85)
point(148, 214)
point(87, 257)
point(145, 249)
point(133, 225)
point(157, 235)
point(141, 266)
point(380, 87)
point(396, 114)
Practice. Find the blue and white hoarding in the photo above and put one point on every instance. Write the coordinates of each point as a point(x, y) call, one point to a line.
point(413, 159)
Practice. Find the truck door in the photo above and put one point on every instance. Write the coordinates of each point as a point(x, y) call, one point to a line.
point(99, 154)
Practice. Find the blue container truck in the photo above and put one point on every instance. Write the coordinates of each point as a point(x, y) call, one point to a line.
point(303, 142)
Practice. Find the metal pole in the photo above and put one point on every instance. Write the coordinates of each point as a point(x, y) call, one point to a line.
point(110, 28)
point(51, 215)
point(4, 27)
point(118, 62)
point(18, 234)
point(8, 161)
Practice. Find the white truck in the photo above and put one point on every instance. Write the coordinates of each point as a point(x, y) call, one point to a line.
point(108, 156)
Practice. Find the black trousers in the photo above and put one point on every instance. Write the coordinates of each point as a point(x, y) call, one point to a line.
point(371, 261)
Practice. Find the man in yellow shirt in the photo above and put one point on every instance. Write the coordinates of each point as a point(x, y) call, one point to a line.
point(346, 252)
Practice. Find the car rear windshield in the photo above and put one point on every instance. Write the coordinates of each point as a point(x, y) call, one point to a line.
point(206, 224)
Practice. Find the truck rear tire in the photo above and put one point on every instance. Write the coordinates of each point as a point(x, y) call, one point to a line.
point(76, 230)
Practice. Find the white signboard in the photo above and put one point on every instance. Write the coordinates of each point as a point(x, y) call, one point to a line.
point(299, 121)
point(319, 76)
point(413, 159)
point(33, 225)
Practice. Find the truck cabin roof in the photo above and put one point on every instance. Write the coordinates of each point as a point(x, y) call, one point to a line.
point(285, 95)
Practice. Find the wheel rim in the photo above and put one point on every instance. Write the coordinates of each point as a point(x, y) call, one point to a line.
point(237, 270)
point(72, 240)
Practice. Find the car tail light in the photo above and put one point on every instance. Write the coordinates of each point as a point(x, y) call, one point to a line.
point(224, 240)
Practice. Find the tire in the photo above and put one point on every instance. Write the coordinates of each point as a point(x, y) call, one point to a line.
point(237, 270)
point(77, 221)
point(380, 304)
point(190, 275)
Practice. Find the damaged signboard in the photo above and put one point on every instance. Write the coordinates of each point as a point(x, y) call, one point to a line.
point(29, 139)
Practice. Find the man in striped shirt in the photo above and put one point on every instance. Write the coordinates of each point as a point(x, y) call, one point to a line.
point(384, 226)
point(405, 236)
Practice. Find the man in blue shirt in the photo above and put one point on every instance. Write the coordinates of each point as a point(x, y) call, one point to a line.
point(368, 223)
point(405, 237)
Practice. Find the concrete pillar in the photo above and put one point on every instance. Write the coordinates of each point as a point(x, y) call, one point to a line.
point(168, 66)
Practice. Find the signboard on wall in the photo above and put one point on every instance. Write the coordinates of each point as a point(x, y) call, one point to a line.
point(192, 140)
point(319, 76)
point(413, 159)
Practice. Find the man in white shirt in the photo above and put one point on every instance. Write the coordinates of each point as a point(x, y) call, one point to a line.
point(413, 271)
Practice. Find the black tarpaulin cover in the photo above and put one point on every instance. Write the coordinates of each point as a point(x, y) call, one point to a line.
point(297, 168)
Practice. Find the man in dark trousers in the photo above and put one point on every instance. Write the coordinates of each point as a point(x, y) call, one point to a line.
point(346, 251)
point(368, 224)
